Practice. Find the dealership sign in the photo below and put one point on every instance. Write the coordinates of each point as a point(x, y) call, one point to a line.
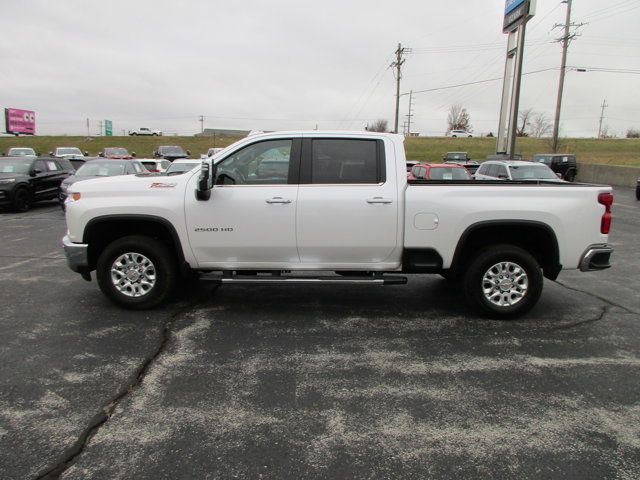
point(20, 121)
point(516, 11)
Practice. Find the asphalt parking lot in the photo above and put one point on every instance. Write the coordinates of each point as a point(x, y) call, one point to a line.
point(315, 382)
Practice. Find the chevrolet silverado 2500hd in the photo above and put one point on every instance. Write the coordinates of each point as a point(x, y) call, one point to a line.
point(273, 205)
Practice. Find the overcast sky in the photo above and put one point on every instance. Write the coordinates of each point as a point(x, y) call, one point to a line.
point(291, 65)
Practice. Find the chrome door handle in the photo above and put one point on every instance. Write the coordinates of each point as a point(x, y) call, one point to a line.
point(379, 200)
point(276, 200)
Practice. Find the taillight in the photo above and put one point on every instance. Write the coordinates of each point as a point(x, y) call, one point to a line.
point(605, 199)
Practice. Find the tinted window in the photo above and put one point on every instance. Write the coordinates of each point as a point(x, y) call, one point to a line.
point(262, 163)
point(76, 163)
point(442, 173)
point(344, 161)
point(40, 165)
point(492, 170)
point(501, 170)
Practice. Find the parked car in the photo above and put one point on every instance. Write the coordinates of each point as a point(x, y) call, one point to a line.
point(344, 205)
point(145, 131)
point(425, 171)
point(73, 154)
point(459, 133)
point(562, 164)
point(155, 165)
point(179, 167)
point(410, 165)
point(463, 159)
point(515, 170)
point(170, 152)
point(21, 152)
point(118, 153)
point(99, 169)
point(28, 179)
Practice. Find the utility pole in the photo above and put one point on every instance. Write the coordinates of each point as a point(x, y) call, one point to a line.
point(100, 128)
point(201, 123)
point(398, 66)
point(604, 105)
point(88, 130)
point(410, 114)
point(565, 40)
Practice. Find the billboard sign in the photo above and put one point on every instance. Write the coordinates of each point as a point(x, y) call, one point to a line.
point(516, 12)
point(20, 121)
point(108, 128)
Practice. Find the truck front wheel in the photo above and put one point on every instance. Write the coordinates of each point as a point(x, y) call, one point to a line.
point(136, 272)
point(503, 281)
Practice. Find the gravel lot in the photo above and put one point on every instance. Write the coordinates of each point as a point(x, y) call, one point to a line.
point(315, 382)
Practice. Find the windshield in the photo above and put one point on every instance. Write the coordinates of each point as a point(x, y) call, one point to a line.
point(15, 166)
point(456, 156)
point(68, 151)
point(101, 169)
point(532, 172)
point(116, 151)
point(443, 173)
point(178, 168)
point(172, 151)
point(21, 152)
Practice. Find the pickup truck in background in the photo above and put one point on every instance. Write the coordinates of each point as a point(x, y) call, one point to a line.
point(338, 207)
point(145, 131)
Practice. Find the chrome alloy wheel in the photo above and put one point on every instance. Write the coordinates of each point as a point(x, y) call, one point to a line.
point(133, 274)
point(505, 284)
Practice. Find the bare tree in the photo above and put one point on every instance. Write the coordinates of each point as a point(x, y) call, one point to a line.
point(525, 118)
point(540, 125)
point(606, 133)
point(458, 119)
point(633, 133)
point(379, 125)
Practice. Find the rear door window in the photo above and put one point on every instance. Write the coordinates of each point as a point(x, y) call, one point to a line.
point(341, 161)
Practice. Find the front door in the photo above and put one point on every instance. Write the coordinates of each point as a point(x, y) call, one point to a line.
point(249, 221)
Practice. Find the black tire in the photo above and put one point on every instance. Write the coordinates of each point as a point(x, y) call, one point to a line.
point(637, 193)
point(164, 267)
point(134, 134)
point(454, 136)
point(473, 281)
point(571, 176)
point(22, 200)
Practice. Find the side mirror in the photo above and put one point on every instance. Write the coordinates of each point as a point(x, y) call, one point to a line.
point(37, 154)
point(35, 172)
point(86, 153)
point(133, 154)
point(188, 152)
point(51, 154)
point(205, 182)
point(101, 154)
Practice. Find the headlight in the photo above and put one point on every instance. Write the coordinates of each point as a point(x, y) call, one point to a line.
point(4, 181)
point(73, 197)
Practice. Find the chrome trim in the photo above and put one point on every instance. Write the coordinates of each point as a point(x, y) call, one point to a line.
point(590, 252)
point(77, 254)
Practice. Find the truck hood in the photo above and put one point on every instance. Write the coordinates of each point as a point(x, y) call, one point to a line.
point(129, 183)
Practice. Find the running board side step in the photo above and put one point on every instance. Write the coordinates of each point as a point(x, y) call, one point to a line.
point(282, 280)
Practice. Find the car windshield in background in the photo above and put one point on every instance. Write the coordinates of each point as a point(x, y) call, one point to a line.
point(69, 151)
point(21, 152)
point(101, 169)
point(172, 151)
point(545, 160)
point(442, 173)
point(532, 172)
point(15, 166)
point(178, 168)
point(116, 151)
point(456, 156)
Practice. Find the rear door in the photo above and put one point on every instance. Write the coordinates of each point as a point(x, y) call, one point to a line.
point(347, 209)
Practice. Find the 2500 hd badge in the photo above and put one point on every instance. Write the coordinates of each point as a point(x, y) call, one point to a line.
point(213, 229)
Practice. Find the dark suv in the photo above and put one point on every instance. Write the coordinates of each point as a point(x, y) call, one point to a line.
point(563, 164)
point(24, 180)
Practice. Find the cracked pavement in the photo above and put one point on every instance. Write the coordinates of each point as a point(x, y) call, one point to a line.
point(315, 382)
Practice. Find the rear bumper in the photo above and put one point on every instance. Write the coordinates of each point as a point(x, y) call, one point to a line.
point(77, 255)
point(596, 257)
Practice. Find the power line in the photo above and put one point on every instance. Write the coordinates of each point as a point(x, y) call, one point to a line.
point(398, 66)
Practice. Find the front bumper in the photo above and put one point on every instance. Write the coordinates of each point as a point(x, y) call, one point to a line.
point(77, 255)
point(596, 257)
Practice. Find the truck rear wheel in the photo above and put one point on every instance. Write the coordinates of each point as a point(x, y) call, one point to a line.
point(136, 272)
point(503, 281)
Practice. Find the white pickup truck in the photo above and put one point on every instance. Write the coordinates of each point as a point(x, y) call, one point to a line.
point(145, 131)
point(332, 207)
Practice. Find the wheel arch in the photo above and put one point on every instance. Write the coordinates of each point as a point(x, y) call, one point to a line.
point(101, 231)
point(537, 238)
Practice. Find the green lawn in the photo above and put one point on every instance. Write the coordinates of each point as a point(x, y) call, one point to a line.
point(609, 151)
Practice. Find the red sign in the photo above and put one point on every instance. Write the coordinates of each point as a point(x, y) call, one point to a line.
point(20, 121)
